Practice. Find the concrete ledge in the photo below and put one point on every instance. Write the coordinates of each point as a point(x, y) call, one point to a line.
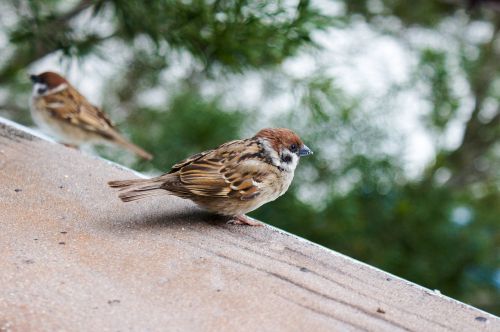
point(75, 258)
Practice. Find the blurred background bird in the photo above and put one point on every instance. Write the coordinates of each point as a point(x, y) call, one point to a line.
point(60, 110)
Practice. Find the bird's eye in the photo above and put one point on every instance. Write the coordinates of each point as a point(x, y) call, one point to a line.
point(293, 148)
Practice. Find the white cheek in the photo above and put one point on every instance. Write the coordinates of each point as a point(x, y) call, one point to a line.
point(47, 91)
point(270, 152)
point(295, 161)
point(290, 166)
point(38, 86)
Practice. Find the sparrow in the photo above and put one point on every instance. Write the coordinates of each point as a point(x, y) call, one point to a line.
point(230, 180)
point(59, 109)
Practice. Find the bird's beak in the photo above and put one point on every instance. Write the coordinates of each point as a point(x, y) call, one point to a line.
point(304, 151)
point(34, 78)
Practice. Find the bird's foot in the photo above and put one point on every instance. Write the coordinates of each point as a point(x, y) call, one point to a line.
point(244, 220)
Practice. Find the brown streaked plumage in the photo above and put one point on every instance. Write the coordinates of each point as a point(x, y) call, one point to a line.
point(58, 108)
point(231, 180)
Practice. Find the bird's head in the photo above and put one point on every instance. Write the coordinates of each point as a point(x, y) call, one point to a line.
point(48, 82)
point(283, 147)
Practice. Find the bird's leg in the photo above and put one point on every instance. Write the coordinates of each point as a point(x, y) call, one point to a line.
point(241, 219)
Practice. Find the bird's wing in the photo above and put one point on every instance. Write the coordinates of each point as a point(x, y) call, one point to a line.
point(195, 157)
point(232, 170)
point(71, 106)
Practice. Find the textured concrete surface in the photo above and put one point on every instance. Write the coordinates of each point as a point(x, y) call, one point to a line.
point(75, 258)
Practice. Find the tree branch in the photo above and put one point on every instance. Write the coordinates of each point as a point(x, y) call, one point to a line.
point(21, 58)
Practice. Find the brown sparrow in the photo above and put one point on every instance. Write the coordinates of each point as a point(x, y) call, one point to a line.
point(231, 180)
point(58, 108)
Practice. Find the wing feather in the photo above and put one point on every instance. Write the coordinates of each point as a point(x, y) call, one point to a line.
point(72, 107)
point(228, 171)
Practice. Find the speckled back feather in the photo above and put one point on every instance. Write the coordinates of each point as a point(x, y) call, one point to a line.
point(218, 173)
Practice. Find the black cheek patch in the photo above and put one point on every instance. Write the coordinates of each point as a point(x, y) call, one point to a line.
point(286, 159)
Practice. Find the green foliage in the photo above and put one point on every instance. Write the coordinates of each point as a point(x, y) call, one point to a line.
point(425, 12)
point(40, 30)
point(215, 31)
point(188, 125)
point(434, 71)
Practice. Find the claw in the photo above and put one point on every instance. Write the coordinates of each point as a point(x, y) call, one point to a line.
point(244, 220)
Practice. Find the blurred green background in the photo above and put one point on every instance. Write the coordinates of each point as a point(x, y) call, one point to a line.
point(400, 100)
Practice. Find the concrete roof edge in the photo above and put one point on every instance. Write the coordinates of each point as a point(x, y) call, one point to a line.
point(34, 133)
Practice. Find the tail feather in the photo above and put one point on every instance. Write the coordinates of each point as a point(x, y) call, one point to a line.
point(123, 142)
point(131, 196)
point(133, 190)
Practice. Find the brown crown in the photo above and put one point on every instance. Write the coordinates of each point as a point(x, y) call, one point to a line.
point(51, 79)
point(280, 137)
